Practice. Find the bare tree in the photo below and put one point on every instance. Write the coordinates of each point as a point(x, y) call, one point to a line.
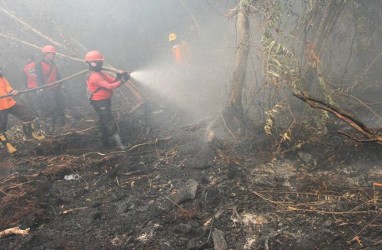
point(234, 108)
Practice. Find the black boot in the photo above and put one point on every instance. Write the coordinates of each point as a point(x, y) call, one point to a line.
point(27, 129)
point(37, 133)
point(50, 126)
point(105, 142)
point(60, 124)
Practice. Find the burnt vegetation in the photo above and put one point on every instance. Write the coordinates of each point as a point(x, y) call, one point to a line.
point(267, 138)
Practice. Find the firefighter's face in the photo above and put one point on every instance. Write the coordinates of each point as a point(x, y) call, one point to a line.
point(96, 65)
point(50, 56)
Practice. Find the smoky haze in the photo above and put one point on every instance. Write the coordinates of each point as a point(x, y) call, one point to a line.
point(133, 35)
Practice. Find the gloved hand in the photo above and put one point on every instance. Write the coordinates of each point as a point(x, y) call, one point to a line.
point(126, 76)
point(14, 92)
point(119, 75)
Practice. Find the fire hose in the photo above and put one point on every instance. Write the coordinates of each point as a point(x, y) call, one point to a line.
point(47, 85)
point(131, 87)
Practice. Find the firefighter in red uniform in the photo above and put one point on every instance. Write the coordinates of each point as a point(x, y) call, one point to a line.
point(180, 50)
point(30, 79)
point(9, 106)
point(30, 73)
point(100, 90)
point(52, 101)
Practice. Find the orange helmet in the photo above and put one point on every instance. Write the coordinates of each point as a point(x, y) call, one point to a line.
point(49, 49)
point(93, 55)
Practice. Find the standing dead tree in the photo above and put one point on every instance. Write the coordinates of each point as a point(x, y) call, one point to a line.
point(233, 112)
point(232, 115)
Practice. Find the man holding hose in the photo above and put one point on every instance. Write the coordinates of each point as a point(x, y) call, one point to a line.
point(9, 106)
point(51, 98)
point(100, 90)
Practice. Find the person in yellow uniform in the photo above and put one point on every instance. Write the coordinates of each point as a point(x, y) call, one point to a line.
point(9, 106)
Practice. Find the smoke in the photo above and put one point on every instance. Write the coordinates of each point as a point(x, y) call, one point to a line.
point(196, 89)
point(133, 35)
point(166, 82)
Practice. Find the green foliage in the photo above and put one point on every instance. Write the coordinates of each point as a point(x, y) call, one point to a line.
point(245, 3)
point(271, 114)
point(282, 72)
point(281, 66)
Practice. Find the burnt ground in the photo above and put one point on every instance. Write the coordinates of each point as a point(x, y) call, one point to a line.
point(319, 197)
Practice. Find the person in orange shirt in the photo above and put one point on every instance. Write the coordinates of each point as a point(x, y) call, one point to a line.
point(180, 50)
point(9, 106)
point(30, 79)
point(30, 73)
point(100, 90)
point(52, 102)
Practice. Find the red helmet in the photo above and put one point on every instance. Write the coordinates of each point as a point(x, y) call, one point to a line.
point(93, 55)
point(49, 49)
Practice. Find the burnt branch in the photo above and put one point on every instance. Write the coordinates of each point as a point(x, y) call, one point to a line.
point(359, 126)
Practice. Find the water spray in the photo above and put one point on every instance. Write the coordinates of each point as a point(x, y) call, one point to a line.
point(132, 88)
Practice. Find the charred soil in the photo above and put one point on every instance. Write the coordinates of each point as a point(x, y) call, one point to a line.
point(72, 194)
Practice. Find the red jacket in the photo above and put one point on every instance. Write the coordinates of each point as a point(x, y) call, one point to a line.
point(181, 53)
point(100, 85)
point(5, 89)
point(46, 73)
point(30, 74)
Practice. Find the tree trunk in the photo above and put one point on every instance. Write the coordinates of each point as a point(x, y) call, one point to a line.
point(234, 107)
